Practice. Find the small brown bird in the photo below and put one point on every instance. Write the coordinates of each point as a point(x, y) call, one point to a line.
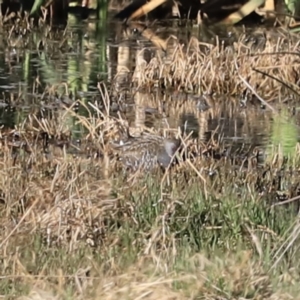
point(146, 151)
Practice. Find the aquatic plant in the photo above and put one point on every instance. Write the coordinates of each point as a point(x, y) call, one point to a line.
point(218, 224)
point(221, 223)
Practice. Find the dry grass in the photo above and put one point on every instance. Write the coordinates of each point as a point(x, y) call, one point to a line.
point(76, 226)
point(202, 67)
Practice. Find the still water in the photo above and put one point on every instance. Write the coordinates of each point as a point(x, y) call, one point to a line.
point(45, 68)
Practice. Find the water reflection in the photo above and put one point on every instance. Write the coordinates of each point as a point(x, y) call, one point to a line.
point(50, 68)
point(233, 123)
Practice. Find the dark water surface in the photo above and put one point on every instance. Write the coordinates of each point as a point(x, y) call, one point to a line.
point(45, 68)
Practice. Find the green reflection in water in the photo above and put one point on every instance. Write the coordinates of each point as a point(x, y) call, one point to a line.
point(284, 133)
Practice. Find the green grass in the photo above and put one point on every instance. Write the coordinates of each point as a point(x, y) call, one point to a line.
point(176, 238)
point(80, 228)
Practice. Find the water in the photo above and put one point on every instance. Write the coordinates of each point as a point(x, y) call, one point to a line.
point(47, 67)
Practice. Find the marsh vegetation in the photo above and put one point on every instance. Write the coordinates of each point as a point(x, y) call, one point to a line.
point(145, 161)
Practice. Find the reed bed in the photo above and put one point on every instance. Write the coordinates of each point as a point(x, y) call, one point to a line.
point(269, 68)
point(221, 224)
point(76, 225)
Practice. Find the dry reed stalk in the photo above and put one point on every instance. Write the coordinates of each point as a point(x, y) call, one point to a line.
point(188, 68)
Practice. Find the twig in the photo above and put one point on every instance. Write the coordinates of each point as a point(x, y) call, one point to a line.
point(253, 90)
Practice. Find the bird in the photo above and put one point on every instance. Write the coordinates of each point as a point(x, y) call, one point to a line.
point(146, 152)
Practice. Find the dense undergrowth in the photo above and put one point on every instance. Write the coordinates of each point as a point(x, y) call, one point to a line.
point(78, 226)
point(219, 225)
